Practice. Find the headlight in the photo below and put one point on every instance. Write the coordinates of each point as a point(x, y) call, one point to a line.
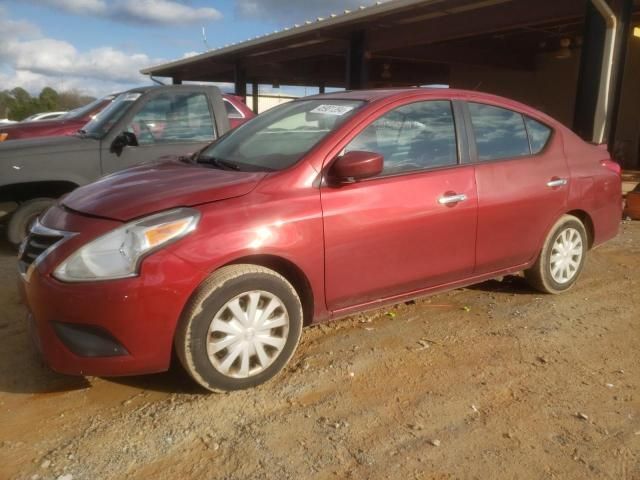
point(118, 253)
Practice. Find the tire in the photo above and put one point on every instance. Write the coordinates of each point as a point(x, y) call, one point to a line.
point(21, 219)
point(208, 324)
point(558, 274)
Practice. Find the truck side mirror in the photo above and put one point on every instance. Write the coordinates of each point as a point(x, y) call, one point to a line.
point(125, 139)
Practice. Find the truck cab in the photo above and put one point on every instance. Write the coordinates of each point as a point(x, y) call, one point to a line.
point(139, 126)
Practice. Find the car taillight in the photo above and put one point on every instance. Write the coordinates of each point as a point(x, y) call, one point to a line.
point(3, 136)
point(613, 166)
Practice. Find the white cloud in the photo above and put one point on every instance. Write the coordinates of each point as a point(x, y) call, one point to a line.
point(297, 10)
point(163, 12)
point(32, 61)
point(81, 7)
point(156, 12)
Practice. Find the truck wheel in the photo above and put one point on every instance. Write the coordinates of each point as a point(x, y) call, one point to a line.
point(22, 219)
point(562, 258)
point(240, 328)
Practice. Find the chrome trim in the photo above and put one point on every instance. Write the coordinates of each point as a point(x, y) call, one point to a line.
point(449, 199)
point(558, 182)
point(39, 229)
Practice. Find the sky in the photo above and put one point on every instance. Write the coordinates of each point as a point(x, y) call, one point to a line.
point(99, 46)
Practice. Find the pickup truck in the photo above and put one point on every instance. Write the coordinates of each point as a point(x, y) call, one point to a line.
point(140, 125)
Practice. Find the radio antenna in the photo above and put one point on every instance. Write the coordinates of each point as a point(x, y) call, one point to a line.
point(204, 39)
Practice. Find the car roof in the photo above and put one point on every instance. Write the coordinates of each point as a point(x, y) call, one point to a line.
point(374, 95)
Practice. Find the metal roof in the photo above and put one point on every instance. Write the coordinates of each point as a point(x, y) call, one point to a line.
point(308, 26)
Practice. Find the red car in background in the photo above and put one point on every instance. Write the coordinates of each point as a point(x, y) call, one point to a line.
point(67, 124)
point(73, 121)
point(237, 110)
point(315, 209)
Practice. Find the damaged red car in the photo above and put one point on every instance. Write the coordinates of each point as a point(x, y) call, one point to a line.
point(316, 209)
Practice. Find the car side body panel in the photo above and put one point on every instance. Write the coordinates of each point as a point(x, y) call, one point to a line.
point(357, 246)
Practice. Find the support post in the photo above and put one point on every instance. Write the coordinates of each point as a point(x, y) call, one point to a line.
point(255, 96)
point(357, 62)
point(321, 87)
point(240, 80)
point(625, 7)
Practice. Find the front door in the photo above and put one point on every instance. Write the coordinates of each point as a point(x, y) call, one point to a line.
point(168, 123)
point(413, 226)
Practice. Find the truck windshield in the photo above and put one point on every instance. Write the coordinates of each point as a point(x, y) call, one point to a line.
point(280, 137)
point(102, 123)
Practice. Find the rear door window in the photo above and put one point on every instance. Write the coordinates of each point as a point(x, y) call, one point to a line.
point(499, 132)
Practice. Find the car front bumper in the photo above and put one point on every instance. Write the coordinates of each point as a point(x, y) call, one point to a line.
point(109, 328)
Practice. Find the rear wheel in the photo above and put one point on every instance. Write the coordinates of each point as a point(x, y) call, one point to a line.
point(562, 258)
point(23, 218)
point(240, 329)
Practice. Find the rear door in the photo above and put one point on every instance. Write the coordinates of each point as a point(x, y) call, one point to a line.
point(522, 179)
point(404, 230)
point(168, 121)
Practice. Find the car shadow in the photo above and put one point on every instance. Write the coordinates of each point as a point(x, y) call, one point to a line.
point(174, 380)
point(509, 284)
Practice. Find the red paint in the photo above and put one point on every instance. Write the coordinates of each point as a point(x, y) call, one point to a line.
point(358, 245)
point(52, 128)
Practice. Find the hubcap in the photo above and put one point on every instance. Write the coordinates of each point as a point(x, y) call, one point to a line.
point(566, 255)
point(247, 334)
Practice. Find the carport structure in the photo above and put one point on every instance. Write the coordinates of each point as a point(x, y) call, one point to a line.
point(577, 60)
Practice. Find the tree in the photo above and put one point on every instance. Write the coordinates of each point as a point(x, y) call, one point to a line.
point(49, 99)
point(22, 104)
point(18, 104)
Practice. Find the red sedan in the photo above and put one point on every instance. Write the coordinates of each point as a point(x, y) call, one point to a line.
point(316, 209)
point(67, 124)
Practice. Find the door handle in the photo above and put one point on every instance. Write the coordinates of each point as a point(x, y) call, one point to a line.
point(451, 199)
point(557, 182)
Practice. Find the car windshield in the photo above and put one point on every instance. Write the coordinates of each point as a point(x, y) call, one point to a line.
point(84, 110)
point(280, 137)
point(101, 124)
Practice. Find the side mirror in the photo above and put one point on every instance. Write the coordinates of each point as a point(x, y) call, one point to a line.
point(125, 139)
point(356, 165)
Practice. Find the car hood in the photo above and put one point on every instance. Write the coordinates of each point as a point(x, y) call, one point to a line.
point(140, 191)
point(42, 124)
point(46, 146)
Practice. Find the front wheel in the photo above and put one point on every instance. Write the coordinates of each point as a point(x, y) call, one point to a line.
point(240, 329)
point(24, 217)
point(562, 257)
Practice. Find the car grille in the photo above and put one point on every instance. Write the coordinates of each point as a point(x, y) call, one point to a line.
point(39, 241)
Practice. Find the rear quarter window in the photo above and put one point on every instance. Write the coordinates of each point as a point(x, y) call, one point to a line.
point(539, 135)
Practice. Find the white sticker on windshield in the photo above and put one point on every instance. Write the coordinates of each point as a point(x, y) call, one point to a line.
point(332, 109)
point(131, 97)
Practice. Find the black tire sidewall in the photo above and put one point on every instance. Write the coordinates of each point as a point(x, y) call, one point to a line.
point(214, 302)
point(20, 218)
point(546, 266)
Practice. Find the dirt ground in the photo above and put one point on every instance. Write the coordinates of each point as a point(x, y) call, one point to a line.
point(490, 382)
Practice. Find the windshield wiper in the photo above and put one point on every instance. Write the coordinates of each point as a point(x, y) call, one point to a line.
point(219, 163)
